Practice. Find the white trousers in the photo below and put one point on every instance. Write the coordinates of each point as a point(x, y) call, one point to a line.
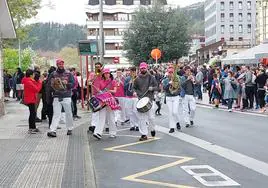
point(95, 119)
point(106, 114)
point(120, 115)
point(146, 121)
point(174, 104)
point(131, 111)
point(57, 106)
point(189, 107)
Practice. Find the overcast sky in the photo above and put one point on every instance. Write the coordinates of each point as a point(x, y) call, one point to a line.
point(70, 11)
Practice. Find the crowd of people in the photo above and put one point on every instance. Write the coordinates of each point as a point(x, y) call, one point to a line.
point(135, 96)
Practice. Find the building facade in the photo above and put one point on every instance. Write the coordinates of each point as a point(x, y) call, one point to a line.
point(232, 22)
point(6, 31)
point(262, 21)
point(117, 15)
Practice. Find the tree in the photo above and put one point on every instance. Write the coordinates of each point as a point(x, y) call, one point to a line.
point(70, 57)
point(156, 28)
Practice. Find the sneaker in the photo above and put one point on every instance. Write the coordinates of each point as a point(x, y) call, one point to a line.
point(69, 132)
point(78, 117)
point(98, 136)
point(112, 136)
point(91, 129)
point(171, 130)
point(143, 138)
point(230, 110)
point(187, 125)
point(107, 130)
point(38, 120)
point(126, 121)
point(132, 129)
point(153, 133)
point(137, 129)
point(36, 130)
point(31, 131)
point(192, 123)
point(178, 126)
point(51, 134)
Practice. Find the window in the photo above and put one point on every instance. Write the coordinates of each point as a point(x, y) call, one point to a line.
point(240, 38)
point(231, 28)
point(240, 5)
point(249, 5)
point(231, 5)
point(222, 5)
point(93, 2)
point(127, 2)
point(240, 28)
point(231, 38)
point(222, 28)
point(110, 2)
point(222, 17)
point(240, 17)
point(145, 2)
point(231, 17)
point(249, 17)
point(249, 28)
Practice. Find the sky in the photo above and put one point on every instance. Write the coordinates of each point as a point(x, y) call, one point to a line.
point(70, 11)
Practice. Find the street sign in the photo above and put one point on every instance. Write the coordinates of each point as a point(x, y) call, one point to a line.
point(88, 47)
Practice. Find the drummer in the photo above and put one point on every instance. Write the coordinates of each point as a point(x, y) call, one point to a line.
point(107, 84)
point(144, 86)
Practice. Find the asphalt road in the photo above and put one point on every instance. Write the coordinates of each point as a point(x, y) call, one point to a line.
point(222, 149)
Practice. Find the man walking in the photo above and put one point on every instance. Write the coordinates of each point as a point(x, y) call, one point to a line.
point(61, 83)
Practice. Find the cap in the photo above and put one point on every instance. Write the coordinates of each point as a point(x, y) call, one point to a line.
point(143, 65)
point(59, 61)
point(106, 71)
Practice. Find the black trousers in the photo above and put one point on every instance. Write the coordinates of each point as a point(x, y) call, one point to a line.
point(250, 96)
point(32, 116)
point(158, 107)
point(74, 100)
point(261, 96)
point(44, 108)
point(49, 113)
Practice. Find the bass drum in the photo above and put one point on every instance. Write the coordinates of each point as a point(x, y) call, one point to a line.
point(144, 105)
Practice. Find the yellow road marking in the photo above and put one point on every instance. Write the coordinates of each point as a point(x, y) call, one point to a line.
point(136, 177)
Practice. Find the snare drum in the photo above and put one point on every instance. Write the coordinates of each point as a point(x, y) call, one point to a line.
point(95, 104)
point(144, 105)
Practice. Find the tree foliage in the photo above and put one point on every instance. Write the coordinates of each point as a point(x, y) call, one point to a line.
point(54, 36)
point(157, 28)
point(11, 59)
point(70, 56)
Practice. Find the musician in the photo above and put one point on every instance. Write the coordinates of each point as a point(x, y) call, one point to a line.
point(171, 87)
point(131, 100)
point(120, 95)
point(107, 84)
point(188, 101)
point(144, 86)
point(94, 83)
point(61, 83)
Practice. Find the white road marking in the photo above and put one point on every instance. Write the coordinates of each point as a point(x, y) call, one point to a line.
point(246, 161)
point(199, 176)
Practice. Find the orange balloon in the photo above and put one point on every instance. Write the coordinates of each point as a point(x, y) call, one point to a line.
point(156, 53)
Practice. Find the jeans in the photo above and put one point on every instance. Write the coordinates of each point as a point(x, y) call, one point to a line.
point(32, 116)
point(230, 103)
point(198, 91)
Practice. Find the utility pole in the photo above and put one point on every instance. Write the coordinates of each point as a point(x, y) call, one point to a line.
point(19, 55)
point(101, 34)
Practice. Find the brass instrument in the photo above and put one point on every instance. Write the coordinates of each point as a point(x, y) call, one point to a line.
point(58, 85)
point(175, 85)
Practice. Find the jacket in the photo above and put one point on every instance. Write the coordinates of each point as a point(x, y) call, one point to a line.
point(31, 88)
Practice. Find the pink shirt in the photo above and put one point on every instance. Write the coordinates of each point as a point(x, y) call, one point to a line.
point(120, 88)
point(107, 84)
point(96, 84)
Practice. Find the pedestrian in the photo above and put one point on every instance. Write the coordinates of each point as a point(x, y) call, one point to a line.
point(7, 84)
point(198, 83)
point(44, 111)
point(216, 90)
point(230, 93)
point(261, 81)
point(249, 88)
point(19, 75)
point(158, 100)
point(61, 82)
point(75, 94)
point(144, 86)
point(49, 97)
point(188, 101)
point(31, 88)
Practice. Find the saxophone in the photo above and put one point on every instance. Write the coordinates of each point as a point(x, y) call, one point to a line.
point(175, 86)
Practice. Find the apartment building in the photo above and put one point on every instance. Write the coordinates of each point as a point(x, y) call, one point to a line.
point(262, 21)
point(117, 15)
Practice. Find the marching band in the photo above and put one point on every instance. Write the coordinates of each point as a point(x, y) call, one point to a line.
point(130, 98)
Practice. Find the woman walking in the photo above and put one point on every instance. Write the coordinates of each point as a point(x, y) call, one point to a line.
point(31, 88)
point(230, 92)
point(261, 81)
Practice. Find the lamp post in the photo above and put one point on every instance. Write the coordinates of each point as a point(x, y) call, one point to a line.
point(101, 34)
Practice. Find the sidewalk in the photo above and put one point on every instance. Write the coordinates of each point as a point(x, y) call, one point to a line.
point(205, 102)
point(38, 161)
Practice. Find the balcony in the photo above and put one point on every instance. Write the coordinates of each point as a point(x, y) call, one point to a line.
point(109, 38)
point(108, 24)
